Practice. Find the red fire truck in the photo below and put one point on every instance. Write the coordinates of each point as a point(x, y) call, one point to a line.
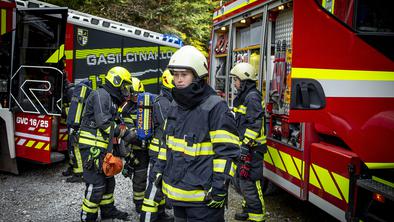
point(39, 44)
point(326, 72)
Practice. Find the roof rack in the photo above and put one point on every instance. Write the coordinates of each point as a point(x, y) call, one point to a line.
point(95, 22)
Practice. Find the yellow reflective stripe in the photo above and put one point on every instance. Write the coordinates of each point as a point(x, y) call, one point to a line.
point(79, 106)
point(3, 21)
point(82, 54)
point(290, 167)
point(107, 199)
point(260, 194)
point(251, 134)
point(138, 195)
point(134, 116)
point(277, 161)
point(238, 6)
point(233, 169)
point(108, 129)
point(154, 148)
point(336, 74)
point(313, 178)
point(219, 165)
point(223, 136)
point(30, 143)
point(150, 202)
point(197, 149)
point(343, 184)
point(162, 154)
point(78, 157)
point(128, 120)
point(262, 139)
point(240, 109)
point(149, 81)
point(69, 54)
point(107, 196)
point(39, 145)
point(380, 165)
point(162, 202)
point(149, 209)
point(326, 181)
point(89, 203)
point(255, 217)
point(93, 143)
point(380, 180)
point(90, 136)
point(183, 195)
point(155, 141)
point(89, 210)
point(56, 56)
point(146, 112)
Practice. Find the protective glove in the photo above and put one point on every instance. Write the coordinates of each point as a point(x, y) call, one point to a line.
point(244, 170)
point(215, 199)
point(93, 159)
point(244, 152)
point(130, 136)
point(158, 180)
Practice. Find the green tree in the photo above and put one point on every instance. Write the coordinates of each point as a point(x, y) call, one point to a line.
point(191, 19)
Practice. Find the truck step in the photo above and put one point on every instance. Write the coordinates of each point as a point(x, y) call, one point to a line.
point(377, 187)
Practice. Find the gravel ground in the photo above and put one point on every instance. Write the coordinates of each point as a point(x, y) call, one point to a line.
point(40, 193)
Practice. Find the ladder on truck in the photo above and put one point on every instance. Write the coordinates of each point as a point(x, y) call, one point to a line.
point(95, 22)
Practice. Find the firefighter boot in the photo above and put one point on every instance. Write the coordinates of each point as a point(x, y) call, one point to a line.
point(68, 172)
point(241, 216)
point(164, 217)
point(115, 214)
point(75, 178)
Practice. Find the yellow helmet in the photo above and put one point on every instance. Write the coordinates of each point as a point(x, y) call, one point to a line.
point(167, 79)
point(244, 71)
point(136, 85)
point(117, 76)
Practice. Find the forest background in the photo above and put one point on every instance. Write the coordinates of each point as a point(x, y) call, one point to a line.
point(191, 20)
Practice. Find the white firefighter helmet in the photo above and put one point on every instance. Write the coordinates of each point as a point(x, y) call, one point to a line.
point(244, 71)
point(188, 57)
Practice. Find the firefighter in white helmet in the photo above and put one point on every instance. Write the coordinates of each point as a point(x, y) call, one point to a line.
point(196, 159)
point(153, 208)
point(249, 116)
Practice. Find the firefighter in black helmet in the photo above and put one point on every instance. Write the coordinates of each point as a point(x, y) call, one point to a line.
point(98, 124)
point(249, 116)
point(153, 208)
point(201, 143)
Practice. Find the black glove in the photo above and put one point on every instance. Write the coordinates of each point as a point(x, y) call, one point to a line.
point(215, 198)
point(130, 136)
point(245, 151)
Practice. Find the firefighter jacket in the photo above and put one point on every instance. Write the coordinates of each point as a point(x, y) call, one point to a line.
point(201, 147)
point(249, 116)
point(161, 107)
point(100, 111)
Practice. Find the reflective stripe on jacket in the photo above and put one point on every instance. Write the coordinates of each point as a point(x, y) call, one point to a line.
point(201, 147)
point(249, 117)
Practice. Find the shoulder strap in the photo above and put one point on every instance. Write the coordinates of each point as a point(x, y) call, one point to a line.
point(210, 102)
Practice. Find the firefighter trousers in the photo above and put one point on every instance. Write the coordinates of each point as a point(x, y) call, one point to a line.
point(197, 214)
point(154, 202)
point(252, 190)
point(74, 153)
point(139, 177)
point(98, 193)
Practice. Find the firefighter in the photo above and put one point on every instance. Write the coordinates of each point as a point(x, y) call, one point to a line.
point(153, 208)
point(249, 116)
point(97, 127)
point(136, 166)
point(197, 159)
